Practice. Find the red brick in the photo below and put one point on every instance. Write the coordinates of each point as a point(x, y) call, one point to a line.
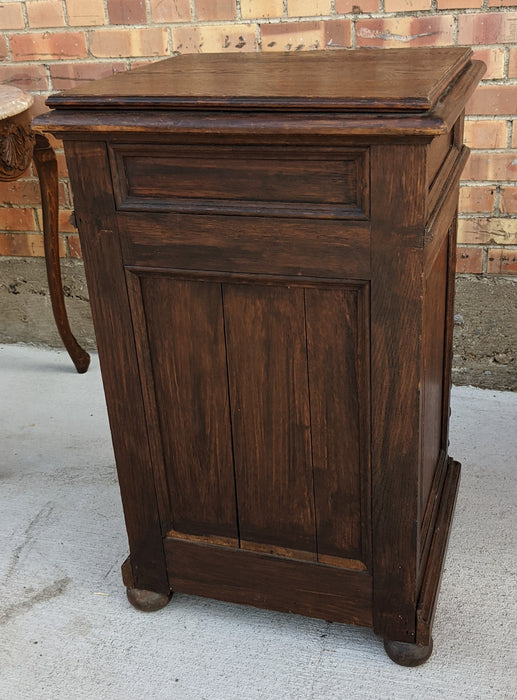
point(405, 31)
point(64, 221)
point(62, 169)
point(512, 64)
point(486, 133)
point(17, 219)
point(487, 28)
point(251, 9)
point(26, 245)
point(514, 135)
point(67, 75)
point(45, 13)
point(308, 8)
point(215, 38)
point(494, 60)
point(83, 13)
point(459, 4)
point(406, 5)
point(29, 77)
point(469, 260)
point(207, 10)
point(488, 231)
point(476, 200)
point(149, 41)
point(19, 192)
point(11, 16)
point(356, 7)
point(127, 12)
point(48, 46)
point(74, 246)
point(491, 166)
point(305, 36)
point(493, 99)
point(3, 47)
point(501, 261)
point(508, 200)
point(167, 11)
point(502, 3)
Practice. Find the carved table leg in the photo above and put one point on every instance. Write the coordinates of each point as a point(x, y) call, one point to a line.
point(46, 165)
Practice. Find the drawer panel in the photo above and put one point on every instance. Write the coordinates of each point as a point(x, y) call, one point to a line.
point(253, 245)
point(287, 181)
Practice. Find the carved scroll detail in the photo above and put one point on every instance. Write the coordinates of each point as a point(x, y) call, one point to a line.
point(16, 146)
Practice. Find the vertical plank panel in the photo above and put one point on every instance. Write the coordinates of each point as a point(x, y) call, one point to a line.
point(187, 349)
point(332, 343)
point(267, 365)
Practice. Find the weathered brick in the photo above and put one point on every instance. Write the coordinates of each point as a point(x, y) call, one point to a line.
point(11, 16)
point(405, 31)
point(502, 3)
point(25, 245)
point(356, 7)
point(48, 46)
point(476, 200)
point(493, 99)
point(67, 75)
point(17, 219)
point(62, 169)
point(215, 38)
point(494, 60)
point(3, 47)
point(459, 4)
point(85, 14)
point(28, 77)
point(258, 9)
point(512, 64)
point(487, 28)
point(148, 41)
point(501, 261)
point(74, 246)
point(208, 10)
point(308, 8)
point(19, 192)
point(406, 5)
point(491, 166)
point(508, 200)
point(486, 133)
point(514, 135)
point(45, 13)
point(127, 12)
point(167, 11)
point(64, 221)
point(306, 36)
point(469, 260)
point(488, 231)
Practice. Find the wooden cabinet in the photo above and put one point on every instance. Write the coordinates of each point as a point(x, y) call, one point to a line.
point(269, 242)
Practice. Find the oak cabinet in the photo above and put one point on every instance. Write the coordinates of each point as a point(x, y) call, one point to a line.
point(269, 241)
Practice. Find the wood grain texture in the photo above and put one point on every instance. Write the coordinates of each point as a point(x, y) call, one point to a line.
point(265, 581)
point(106, 281)
point(267, 371)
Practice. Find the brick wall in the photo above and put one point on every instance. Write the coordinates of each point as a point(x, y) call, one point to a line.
point(49, 45)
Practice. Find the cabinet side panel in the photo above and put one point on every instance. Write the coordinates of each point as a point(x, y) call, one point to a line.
point(267, 366)
point(187, 349)
point(336, 396)
point(94, 206)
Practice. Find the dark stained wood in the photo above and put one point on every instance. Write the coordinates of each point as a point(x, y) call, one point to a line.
point(315, 80)
point(186, 345)
point(266, 581)
point(336, 398)
point(270, 255)
point(269, 397)
point(250, 245)
point(106, 280)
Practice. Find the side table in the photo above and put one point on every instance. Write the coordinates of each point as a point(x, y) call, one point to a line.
point(19, 145)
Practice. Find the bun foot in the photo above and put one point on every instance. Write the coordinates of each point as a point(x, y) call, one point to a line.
point(406, 654)
point(147, 601)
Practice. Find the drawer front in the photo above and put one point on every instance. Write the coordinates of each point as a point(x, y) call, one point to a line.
point(248, 245)
point(286, 181)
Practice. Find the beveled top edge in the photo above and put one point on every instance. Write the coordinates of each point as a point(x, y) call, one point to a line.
point(13, 101)
point(387, 80)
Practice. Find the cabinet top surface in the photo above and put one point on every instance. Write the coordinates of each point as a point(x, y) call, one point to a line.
point(390, 80)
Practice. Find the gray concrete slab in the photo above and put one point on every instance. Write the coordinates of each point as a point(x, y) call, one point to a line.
point(68, 632)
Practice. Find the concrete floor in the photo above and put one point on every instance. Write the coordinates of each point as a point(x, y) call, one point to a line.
point(67, 631)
